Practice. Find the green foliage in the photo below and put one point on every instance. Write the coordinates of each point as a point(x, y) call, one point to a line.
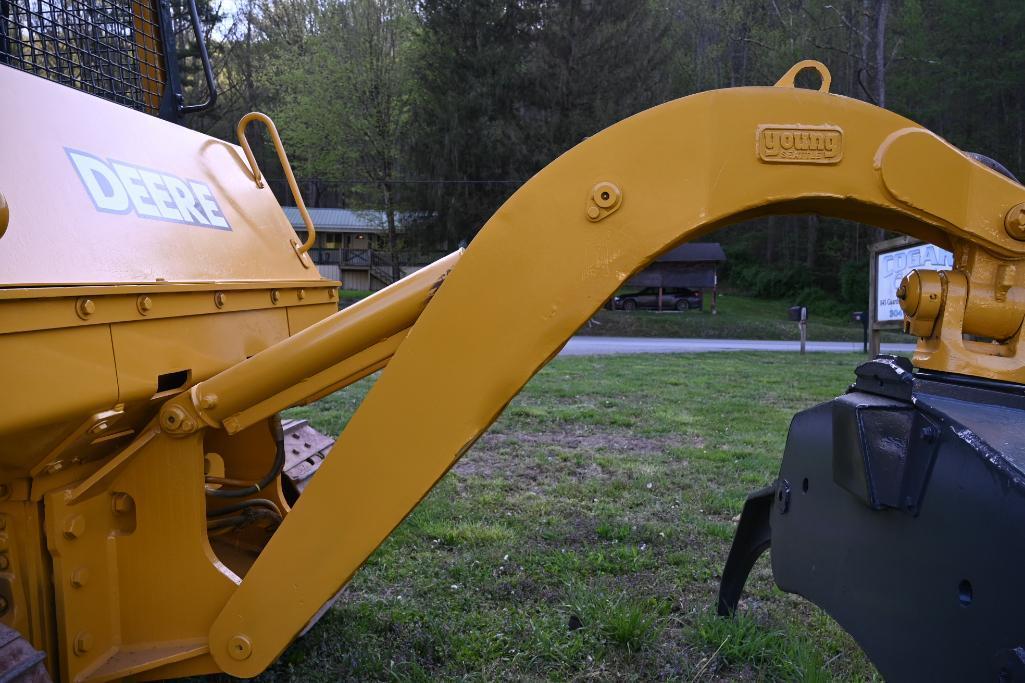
point(767, 282)
point(854, 283)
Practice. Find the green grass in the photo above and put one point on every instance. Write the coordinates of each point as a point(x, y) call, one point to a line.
point(583, 536)
point(353, 295)
point(739, 317)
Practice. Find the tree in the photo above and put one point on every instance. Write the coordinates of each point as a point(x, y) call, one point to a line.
point(346, 96)
point(469, 140)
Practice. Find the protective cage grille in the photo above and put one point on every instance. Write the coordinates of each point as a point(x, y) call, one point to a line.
point(109, 48)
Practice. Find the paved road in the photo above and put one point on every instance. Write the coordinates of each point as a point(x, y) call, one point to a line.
point(603, 346)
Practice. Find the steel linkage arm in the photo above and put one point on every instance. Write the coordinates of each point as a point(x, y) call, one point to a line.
point(560, 247)
point(309, 361)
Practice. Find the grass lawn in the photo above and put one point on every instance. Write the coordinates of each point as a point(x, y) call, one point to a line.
point(582, 537)
point(740, 317)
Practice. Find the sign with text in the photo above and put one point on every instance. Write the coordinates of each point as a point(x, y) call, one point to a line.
point(892, 266)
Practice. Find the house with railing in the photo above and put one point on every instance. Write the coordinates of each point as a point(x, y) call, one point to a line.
point(351, 246)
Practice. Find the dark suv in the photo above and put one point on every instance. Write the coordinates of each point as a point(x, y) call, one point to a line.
point(673, 298)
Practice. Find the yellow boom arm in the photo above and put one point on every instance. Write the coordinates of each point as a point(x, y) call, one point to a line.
point(564, 243)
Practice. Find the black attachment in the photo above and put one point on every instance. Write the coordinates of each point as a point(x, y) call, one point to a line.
point(905, 522)
point(992, 164)
point(751, 540)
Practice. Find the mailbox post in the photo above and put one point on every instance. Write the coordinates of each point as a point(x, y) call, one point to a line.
point(862, 317)
point(799, 314)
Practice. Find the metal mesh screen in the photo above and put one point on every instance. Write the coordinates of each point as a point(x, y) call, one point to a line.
point(109, 48)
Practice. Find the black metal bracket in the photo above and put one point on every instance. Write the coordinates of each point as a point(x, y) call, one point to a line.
point(751, 540)
point(899, 509)
point(208, 70)
point(173, 104)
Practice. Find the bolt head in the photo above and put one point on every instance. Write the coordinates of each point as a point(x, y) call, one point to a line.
point(301, 294)
point(79, 577)
point(4, 563)
point(122, 503)
point(83, 643)
point(240, 647)
point(593, 212)
point(275, 296)
point(4, 605)
point(74, 527)
point(144, 304)
point(173, 419)
point(85, 308)
point(220, 298)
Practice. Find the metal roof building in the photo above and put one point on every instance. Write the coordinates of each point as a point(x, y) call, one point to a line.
point(330, 220)
point(693, 265)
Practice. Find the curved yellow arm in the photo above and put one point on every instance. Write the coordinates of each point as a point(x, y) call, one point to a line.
point(559, 248)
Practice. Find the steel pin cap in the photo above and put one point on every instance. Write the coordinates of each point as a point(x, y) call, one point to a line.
point(240, 647)
point(1014, 222)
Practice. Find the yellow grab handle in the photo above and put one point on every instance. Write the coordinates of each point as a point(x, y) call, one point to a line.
point(5, 214)
point(240, 130)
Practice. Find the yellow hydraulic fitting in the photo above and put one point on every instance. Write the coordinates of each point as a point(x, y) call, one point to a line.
point(921, 298)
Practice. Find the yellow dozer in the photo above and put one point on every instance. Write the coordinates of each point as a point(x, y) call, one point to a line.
point(157, 313)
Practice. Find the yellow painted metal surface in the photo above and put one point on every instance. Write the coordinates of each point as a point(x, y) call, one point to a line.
point(57, 233)
point(136, 259)
point(144, 350)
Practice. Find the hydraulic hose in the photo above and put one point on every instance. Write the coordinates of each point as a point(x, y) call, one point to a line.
point(275, 470)
point(251, 515)
point(262, 503)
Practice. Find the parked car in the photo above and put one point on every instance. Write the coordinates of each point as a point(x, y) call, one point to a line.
point(673, 298)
